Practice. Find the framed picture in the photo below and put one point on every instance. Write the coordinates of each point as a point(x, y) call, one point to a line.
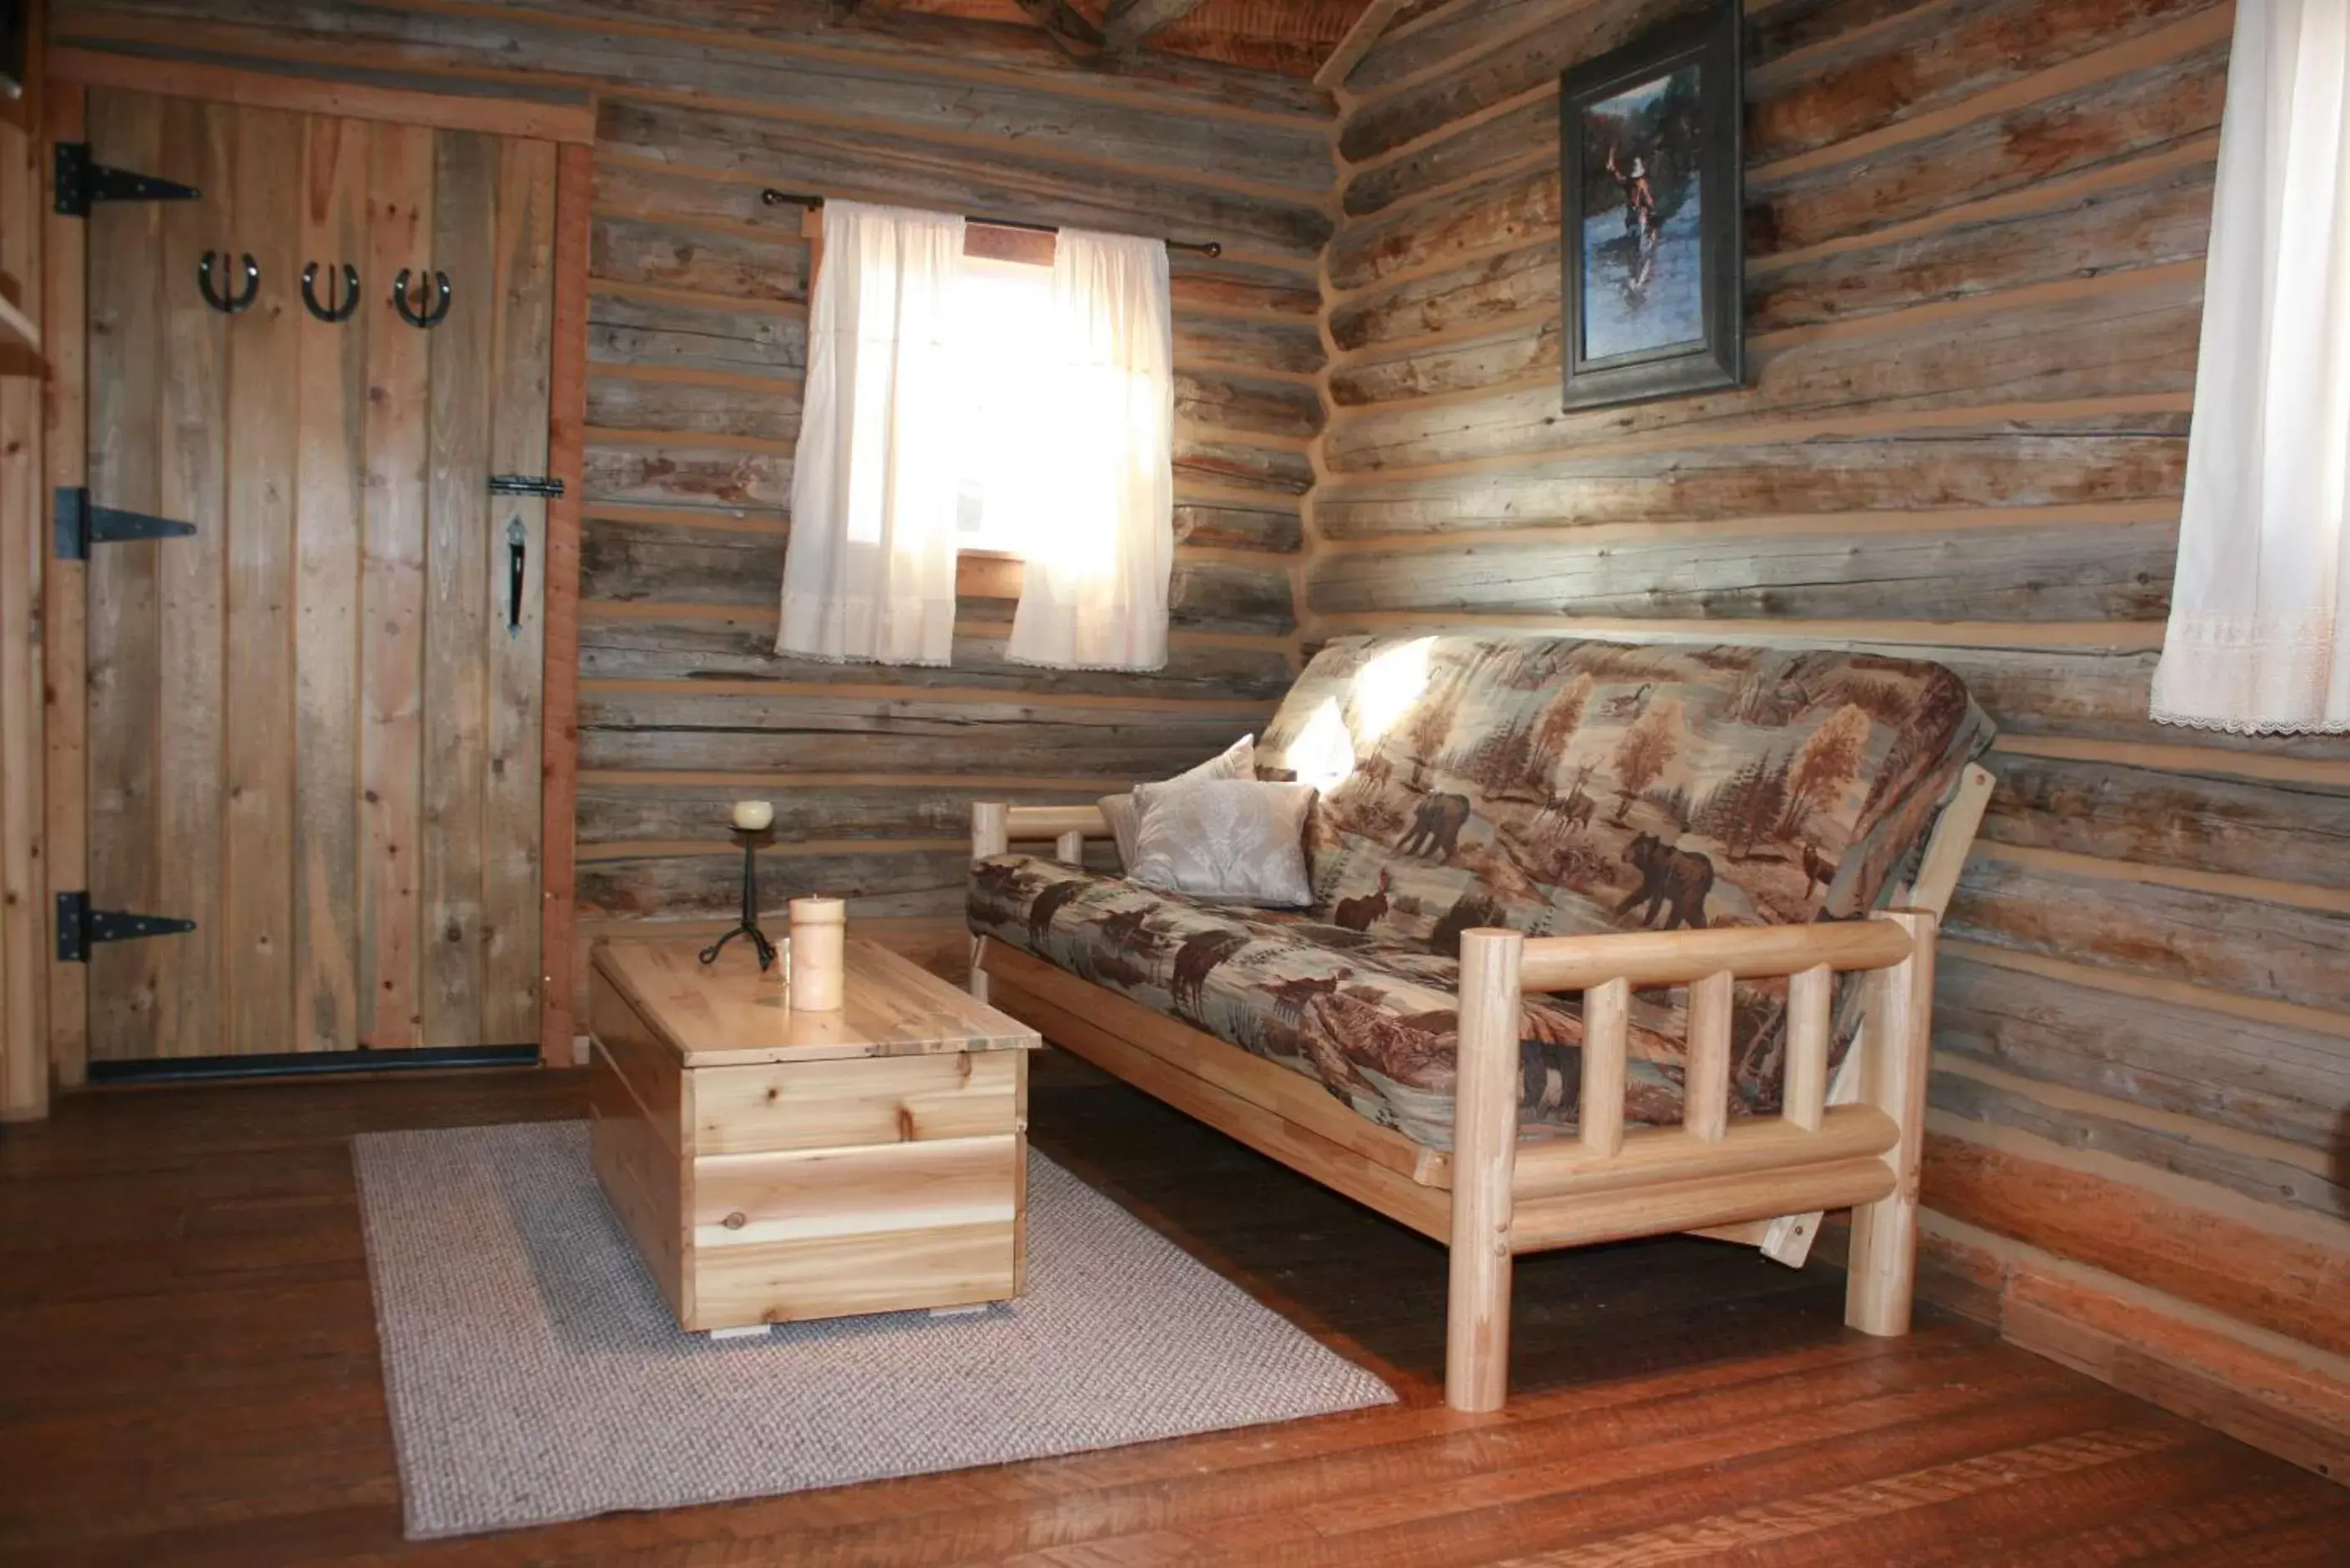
point(1651, 214)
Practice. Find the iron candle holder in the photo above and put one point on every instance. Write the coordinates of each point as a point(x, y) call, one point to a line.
point(749, 924)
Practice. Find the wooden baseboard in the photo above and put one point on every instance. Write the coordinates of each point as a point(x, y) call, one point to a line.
point(2255, 1388)
point(2180, 1388)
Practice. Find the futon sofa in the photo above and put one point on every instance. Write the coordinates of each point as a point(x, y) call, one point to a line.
point(1693, 805)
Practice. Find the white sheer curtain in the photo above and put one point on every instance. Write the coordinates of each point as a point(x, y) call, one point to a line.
point(870, 570)
point(1100, 505)
point(2260, 622)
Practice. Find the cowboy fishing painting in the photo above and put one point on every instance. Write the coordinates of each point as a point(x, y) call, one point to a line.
point(1644, 284)
point(1650, 167)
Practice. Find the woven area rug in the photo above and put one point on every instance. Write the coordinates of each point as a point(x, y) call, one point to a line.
point(535, 1374)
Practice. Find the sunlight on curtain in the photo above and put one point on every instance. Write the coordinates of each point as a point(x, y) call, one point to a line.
point(870, 571)
point(2259, 638)
point(1098, 508)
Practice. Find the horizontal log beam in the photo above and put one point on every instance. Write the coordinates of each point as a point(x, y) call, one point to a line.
point(723, 565)
point(2278, 1174)
point(1034, 822)
point(669, 254)
point(2026, 145)
point(1677, 958)
point(949, 49)
point(2089, 572)
point(1584, 1219)
point(1021, 179)
point(1562, 1167)
point(2291, 1285)
point(684, 642)
point(2162, 1054)
point(650, 810)
point(925, 882)
point(2122, 339)
point(1956, 479)
point(1841, 90)
point(1436, 34)
point(2252, 945)
point(1514, 62)
point(2297, 833)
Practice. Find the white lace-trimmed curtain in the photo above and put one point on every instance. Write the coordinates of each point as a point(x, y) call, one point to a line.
point(869, 573)
point(1098, 508)
point(2258, 638)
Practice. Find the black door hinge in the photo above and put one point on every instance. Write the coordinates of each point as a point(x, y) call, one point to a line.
point(80, 182)
point(80, 523)
point(80, 926)
point(525, 484)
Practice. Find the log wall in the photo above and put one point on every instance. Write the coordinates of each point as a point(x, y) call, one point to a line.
point(697, 337)
point(1975, 232)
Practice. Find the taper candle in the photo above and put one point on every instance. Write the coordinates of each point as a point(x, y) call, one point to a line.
point(754, 816)
point(819, 933)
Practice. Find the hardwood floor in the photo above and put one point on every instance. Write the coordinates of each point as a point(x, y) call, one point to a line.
point(188, 1376)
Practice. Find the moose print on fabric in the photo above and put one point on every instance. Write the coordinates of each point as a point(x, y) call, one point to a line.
point(1550, 785)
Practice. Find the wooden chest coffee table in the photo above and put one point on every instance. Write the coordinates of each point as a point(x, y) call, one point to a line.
point(773, 1165)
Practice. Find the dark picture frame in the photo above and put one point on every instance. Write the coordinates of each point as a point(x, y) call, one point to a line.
point(1651, 204)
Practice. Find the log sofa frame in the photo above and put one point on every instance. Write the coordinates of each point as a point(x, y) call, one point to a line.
point(1852, 1144)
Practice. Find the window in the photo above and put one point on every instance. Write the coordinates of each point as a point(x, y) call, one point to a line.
point(1001, 322)
point(958, 400)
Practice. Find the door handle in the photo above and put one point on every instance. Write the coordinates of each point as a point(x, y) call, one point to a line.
point(518, 544)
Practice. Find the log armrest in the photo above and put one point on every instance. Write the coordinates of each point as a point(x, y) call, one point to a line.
point(996, 825)
point(1606, 1185)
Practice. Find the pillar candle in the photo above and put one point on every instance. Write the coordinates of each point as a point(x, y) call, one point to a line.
point(819, 932)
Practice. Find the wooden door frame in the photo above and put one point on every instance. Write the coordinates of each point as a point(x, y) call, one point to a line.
point(571, 126)
point(25, 543)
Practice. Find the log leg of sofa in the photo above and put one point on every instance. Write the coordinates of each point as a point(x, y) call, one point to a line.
point(991, 834)
point(1897, 1039)
point(1484, 1169)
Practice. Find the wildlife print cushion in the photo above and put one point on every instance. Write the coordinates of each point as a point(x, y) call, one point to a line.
point(1557, 787)
point(1580, 786)
point(1376, 1021)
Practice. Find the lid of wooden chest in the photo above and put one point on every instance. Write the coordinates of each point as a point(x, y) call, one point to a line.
point(728, 1012)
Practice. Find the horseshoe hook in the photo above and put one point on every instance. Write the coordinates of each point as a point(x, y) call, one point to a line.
point(228, 304)
point(420, 314)
point(331, 311)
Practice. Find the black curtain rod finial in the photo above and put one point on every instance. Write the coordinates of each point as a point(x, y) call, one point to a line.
point(774, 198)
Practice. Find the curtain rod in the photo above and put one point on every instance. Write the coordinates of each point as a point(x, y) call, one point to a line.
point(774, 198)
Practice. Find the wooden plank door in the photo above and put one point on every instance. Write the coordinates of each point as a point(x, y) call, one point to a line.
point(314, 724)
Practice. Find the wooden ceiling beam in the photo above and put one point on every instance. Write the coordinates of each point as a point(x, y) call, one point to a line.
point(1067, 26)
point(1130, 24)
point(1356, 43)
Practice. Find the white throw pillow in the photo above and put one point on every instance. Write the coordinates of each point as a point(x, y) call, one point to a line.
point(1238, 841)
point(1237, 761)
